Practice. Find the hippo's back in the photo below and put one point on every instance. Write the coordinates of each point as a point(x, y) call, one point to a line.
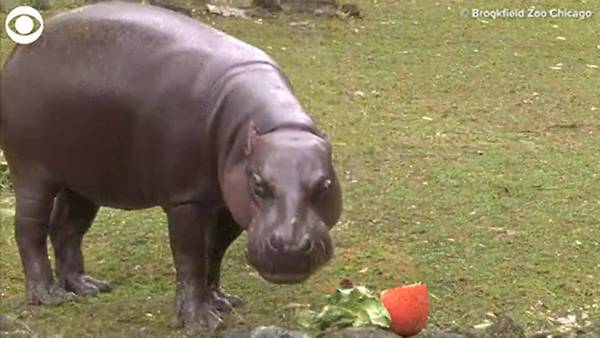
point(120, 45)
point(112, 102)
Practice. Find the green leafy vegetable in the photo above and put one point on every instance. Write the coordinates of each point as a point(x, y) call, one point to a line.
point(356, 306)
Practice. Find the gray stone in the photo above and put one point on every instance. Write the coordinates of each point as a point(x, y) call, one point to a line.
point(233, 3)
point(363, 332)
point(590, 331)
point(277, 332)
point(272, 5)
point(265, 332)
point(309, 6)
point(444, 334)
point(504, 327)
point(351, 10)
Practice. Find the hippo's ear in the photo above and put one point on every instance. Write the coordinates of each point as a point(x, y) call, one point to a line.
point(327, 141)
point(251, 140)
point(325, 138)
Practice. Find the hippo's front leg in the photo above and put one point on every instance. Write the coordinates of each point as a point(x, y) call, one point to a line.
point(222, 235)
point(189, 227)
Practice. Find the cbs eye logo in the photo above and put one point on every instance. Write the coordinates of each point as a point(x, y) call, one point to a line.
point(26, 19)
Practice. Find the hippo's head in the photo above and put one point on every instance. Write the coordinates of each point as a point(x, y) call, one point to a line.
point(287, 196)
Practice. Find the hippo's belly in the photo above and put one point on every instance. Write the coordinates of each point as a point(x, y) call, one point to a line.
point(113, 154)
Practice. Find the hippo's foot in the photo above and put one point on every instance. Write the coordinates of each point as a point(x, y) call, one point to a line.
point(199, 318)
point(84, 285)
point(224, 302)
point(40, 293)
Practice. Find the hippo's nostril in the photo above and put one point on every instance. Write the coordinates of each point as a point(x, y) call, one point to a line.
point(306, 246)
point(276, 243)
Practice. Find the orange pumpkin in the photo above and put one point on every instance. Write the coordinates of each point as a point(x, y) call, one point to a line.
point(408, 307)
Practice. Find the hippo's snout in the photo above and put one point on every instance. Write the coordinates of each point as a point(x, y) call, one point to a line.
point(278, 245)
point(285, 260)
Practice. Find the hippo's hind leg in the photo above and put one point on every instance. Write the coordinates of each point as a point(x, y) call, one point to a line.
point(33, 207)
point(72, 215)
point(223, 233)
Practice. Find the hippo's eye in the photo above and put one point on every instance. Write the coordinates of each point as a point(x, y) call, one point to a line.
point(260, 188)
point(323, 186)
point(326, 185)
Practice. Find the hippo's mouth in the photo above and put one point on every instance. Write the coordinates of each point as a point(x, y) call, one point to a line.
point(281, 271)
point(284, 278)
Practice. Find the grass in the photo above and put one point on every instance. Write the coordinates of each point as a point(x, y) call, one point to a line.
point(467, 163)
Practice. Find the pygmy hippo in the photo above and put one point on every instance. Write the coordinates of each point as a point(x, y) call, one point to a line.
point(132, 106)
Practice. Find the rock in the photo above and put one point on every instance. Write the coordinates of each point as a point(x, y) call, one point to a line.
point(227, 11)
point(272, 5)
point(277, 332)
point(259, 12)
point(351, 10)
point(444, 334)
point(309, 6)
point(265, 332)
point(363, 332)
point(232, 3)
point(590, 331)
point(504, 327)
